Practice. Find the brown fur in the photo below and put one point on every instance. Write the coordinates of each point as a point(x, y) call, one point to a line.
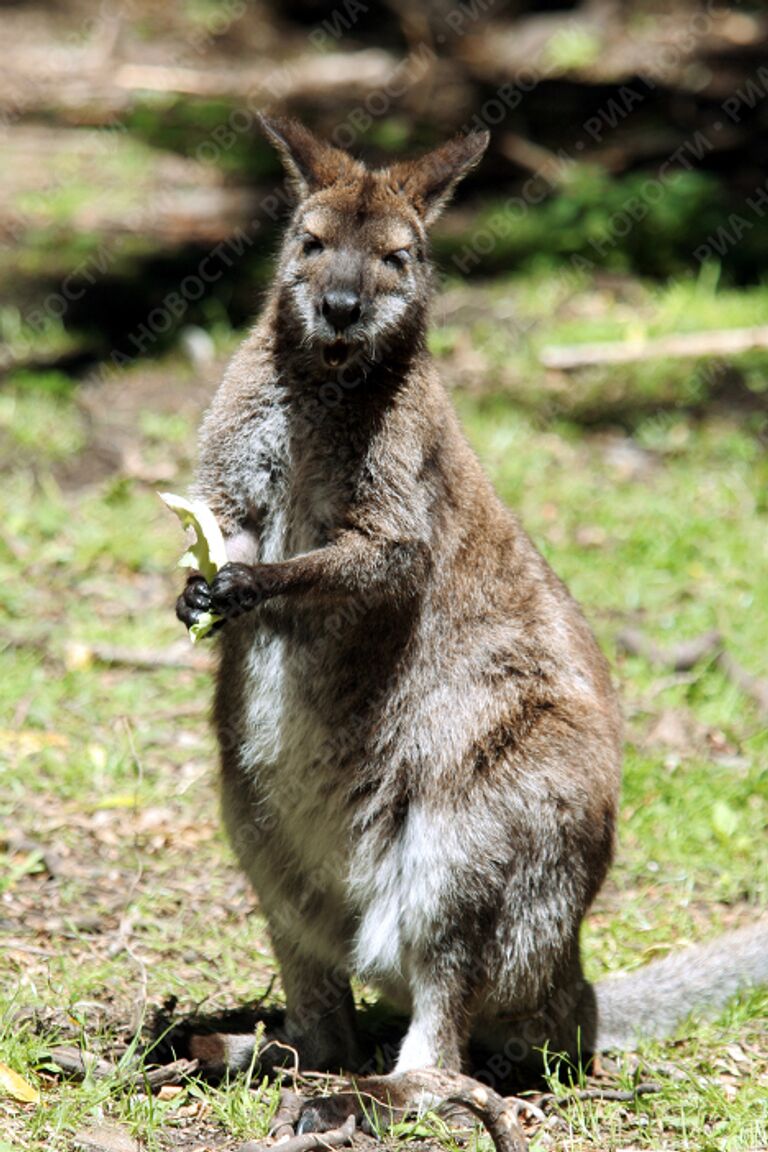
point(420, 741)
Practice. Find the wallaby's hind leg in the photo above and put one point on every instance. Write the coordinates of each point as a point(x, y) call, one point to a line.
point(511, 1048)
point(307, 931)
point(318, 1028)
point(320, 1020)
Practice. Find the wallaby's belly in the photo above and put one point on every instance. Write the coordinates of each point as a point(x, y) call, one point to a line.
point(285, 757)
point(358, 892)
point(282, 801)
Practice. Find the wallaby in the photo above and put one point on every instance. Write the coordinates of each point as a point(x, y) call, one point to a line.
point(420, 741)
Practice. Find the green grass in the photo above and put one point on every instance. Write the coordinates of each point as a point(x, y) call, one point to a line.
point(658, 520)
point(522, 316)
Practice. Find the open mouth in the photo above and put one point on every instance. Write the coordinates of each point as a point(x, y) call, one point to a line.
point(335, 354)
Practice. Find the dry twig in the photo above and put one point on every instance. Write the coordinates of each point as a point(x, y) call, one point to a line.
point(621, 1095)
point(284, 1118)
point(174, 656)
point(681, 657)
point(333, 1138)
point(165, 1074)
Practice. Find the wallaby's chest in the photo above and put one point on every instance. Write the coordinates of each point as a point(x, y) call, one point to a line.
point(298, 489)
point(298, 486)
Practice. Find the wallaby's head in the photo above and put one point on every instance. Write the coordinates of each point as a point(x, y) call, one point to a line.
point(354, 272)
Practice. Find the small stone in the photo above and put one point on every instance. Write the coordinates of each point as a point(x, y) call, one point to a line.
point(104, 1138)
point(170, 1092)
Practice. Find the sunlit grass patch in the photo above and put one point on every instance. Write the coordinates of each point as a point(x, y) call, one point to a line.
point(115, 876)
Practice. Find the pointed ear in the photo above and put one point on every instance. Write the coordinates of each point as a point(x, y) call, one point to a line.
point(429, 181)
point(310, 162)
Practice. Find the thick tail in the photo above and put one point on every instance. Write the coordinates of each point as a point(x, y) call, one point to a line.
point(650, 1003)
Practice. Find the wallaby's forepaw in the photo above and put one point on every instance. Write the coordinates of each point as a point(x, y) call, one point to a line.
point(237, 588)
point(194, 601)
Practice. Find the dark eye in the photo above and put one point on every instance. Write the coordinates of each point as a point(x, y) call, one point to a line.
point(397, 259)
point(311, 244)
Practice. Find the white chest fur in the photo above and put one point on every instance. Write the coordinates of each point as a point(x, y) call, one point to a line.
point(283, 750)
point(400, 893)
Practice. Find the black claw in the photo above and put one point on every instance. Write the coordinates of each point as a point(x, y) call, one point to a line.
point(326, 1112)
point(198, 595)
point(194, 600)
point(234, 591)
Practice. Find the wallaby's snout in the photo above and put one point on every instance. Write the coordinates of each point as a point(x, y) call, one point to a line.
point(341, 309)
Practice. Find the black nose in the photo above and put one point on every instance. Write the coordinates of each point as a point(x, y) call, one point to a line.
point(341, 308)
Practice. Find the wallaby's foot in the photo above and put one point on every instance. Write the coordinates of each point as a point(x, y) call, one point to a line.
point(222, 1053)
point(194, 601)
point(382, 1100)
point(375, 1102)
point(238, 588)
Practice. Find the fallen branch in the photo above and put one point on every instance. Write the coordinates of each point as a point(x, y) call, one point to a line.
point(497, 1113)
point(684, 656)
point(681, 657)
point(750, 685)
point(165, 1074)
point(534, 158)
point(79, 655)
point(74, 1062)
point(13, 945)
point(396, 1095)
point(91, 93)
point(285, 1117)
point(680, 345)
point(333, 1138)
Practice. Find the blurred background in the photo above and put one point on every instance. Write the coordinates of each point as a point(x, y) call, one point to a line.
point(627, 139)
point(602, 321)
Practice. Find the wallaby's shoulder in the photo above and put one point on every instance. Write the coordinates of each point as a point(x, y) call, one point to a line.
point(242, 435)
point(248, 386)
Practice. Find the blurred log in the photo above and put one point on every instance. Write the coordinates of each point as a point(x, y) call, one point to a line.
point(90, 93)
point(601, 44)
point(328, 75)
point(681, 345)
point(124, 188)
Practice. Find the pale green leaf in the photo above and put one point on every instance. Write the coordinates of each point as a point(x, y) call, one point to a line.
point(207, 554)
